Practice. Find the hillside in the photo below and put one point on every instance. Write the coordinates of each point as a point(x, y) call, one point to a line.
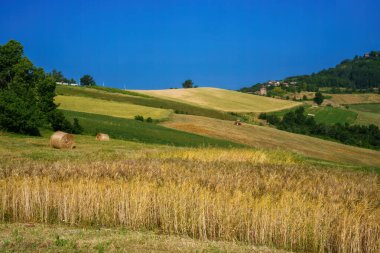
point(362, 73)
point(117, 95)
point(109, 118)
point(205, 185)
point(271, 138)
point(346, 99)
point(220, 99)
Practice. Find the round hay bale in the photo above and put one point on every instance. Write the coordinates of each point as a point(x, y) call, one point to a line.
point(62, 140)
point(102, 137)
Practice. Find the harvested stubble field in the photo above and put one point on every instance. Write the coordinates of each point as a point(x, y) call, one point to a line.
point(251, 196)
point(223, 100)
point(367, 113)
point(134, 98)
point(342, 99)
point(266, 137)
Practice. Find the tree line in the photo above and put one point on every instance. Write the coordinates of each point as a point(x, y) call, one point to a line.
point(85, 80)
point(360, 74)
point(27, 95)
point(297, 122)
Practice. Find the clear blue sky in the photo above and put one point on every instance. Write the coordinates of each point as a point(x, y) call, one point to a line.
point(158, 44)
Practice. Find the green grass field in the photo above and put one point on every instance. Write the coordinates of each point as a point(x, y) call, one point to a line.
point(367, 113)
point(373, 108)
point(332, 115)
point(367, 118)
point(111, 108)
point(325, 114)
point(133, 130)
point(141, 99)
point(33, 238)
point(223, 100)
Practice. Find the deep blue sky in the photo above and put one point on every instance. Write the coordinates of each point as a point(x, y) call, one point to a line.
point(158, 44)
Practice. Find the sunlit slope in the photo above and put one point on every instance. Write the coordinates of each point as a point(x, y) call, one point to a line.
point(266, 137)
point(224, 100)
point(339, 99)
point(110, 108)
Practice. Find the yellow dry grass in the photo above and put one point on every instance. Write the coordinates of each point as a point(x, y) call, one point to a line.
point(265, 137)
point(110, 108)
point(354, 98)
point(223, 100)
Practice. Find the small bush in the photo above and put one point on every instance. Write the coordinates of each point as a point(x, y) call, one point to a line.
point(139, 118)
point(263, 115)
point(149, 120)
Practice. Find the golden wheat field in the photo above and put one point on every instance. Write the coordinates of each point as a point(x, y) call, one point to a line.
point(245, 195)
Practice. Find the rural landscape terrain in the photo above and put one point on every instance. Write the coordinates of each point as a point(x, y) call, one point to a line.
point(284, 166)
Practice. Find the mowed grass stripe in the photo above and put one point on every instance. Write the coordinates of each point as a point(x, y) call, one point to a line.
point(111, 108)
point(224, 100)
point(133, 130)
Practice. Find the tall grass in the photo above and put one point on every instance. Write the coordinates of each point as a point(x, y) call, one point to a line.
point(250, 196)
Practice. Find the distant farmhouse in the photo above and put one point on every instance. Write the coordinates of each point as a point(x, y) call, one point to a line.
point(69, 84)
point(262, 91)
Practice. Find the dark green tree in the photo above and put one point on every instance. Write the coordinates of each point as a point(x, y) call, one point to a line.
point(188, 84)
point(318, 99)
point(87, 80)
point(26, 93)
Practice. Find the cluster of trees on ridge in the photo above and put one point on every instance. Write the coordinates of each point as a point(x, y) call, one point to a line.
point(297, 122)
point(27, 95)
point(85, 80)
point(361, 74)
